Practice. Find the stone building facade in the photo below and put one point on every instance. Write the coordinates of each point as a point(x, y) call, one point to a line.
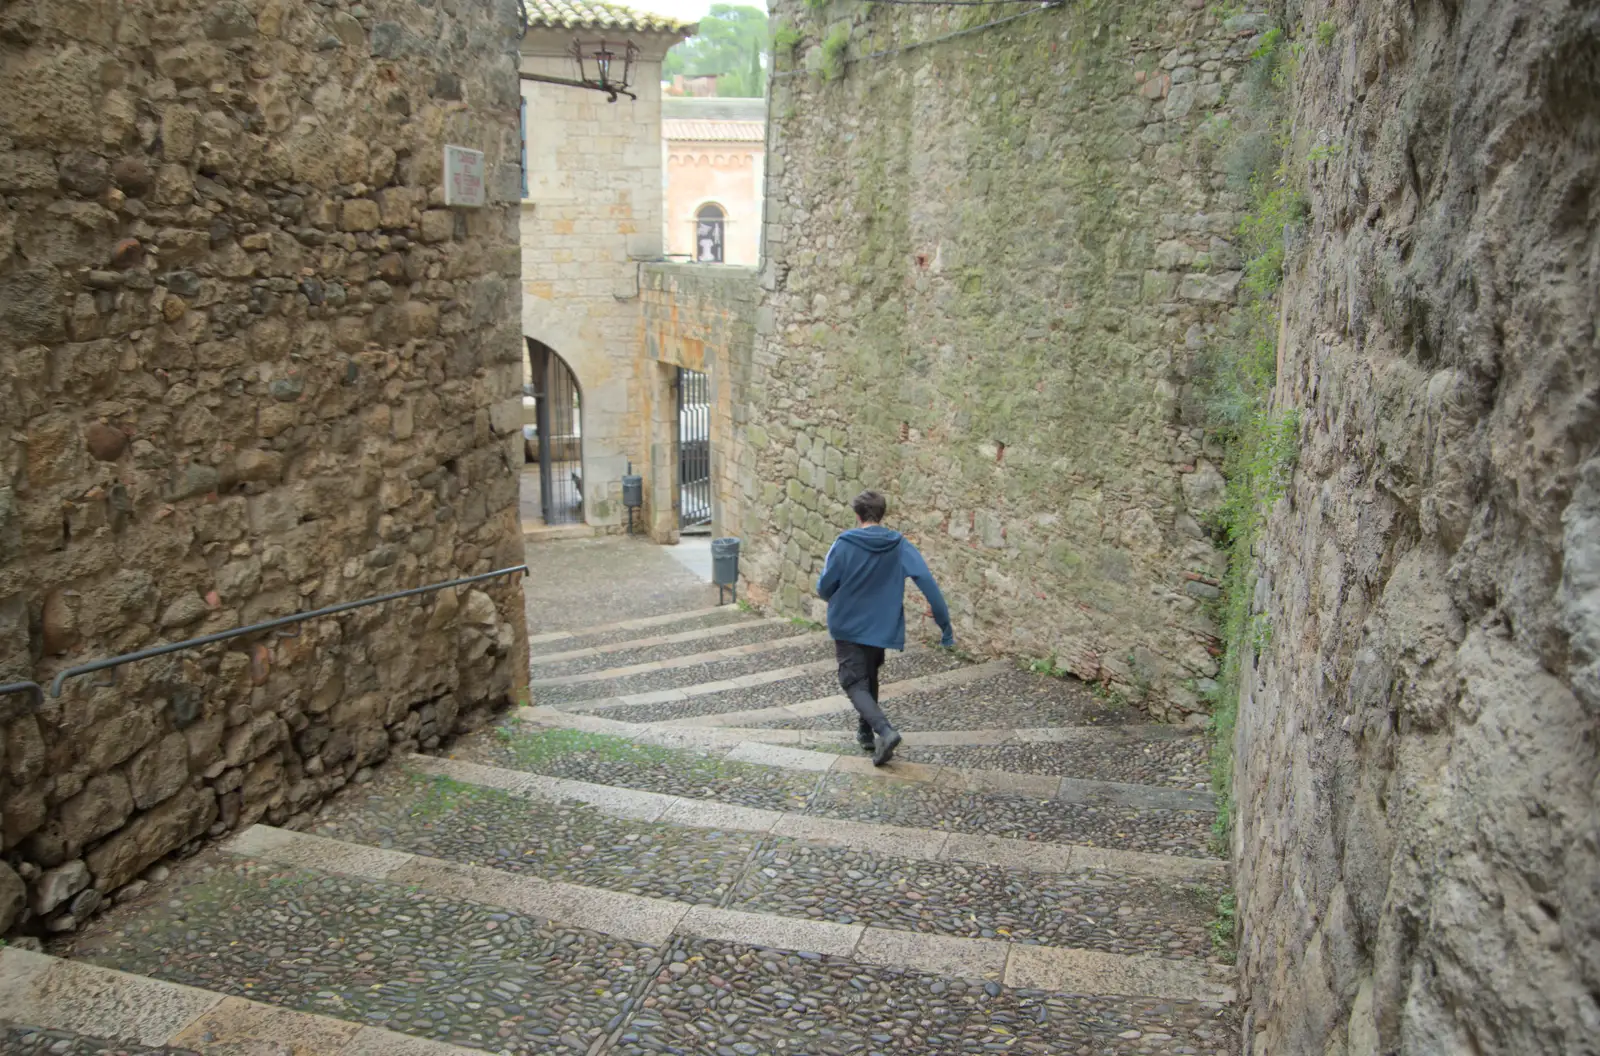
point(715, 155)
point(591, 214)
point(989, 267)
point(1417, 774)
point(250, 365)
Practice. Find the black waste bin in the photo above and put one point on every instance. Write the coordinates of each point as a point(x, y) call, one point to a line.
point(725, 565)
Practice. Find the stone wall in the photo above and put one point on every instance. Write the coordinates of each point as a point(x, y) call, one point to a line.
point(701, 317)
point(249, 365)
point(1418, 834)
point(989, 266)
point(592, 211)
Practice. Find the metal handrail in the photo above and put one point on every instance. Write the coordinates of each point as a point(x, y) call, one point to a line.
point(238, 632)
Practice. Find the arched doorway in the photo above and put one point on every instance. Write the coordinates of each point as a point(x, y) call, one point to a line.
point(557, 440)
point(710, 226)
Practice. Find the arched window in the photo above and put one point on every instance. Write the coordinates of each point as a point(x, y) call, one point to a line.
point(709, 225)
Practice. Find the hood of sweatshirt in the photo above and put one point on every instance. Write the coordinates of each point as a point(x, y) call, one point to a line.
point(874, 538)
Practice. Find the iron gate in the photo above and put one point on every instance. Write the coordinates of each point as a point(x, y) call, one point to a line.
point(694, 449)
point(558, 418)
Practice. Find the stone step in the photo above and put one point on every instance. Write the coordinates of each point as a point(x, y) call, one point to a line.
point(1008, 696)
point(1063, 810)
point(680, 672)
point(620, 630)
point(760, 872)
point(769, 688)
point(1135, 750)
point(634, 653)
point(80, 1008)
point(509, 963)
point(740, 789)
point(828, 707)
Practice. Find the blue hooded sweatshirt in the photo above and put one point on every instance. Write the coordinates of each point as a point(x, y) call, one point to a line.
point(863, 581)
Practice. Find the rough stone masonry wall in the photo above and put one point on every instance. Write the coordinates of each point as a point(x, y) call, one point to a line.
point(1418, 748)
point(990, 264)
point(701, 317)
point(249, 365)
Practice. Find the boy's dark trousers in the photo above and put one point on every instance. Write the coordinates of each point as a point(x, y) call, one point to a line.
point(858, 677)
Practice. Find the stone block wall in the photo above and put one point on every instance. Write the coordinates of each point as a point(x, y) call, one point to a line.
point(592, 212)
point(1418, 747)
point(990, 264)
point(250, 365)
point(701, 317)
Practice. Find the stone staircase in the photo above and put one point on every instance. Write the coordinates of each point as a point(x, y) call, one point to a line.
point(680, 850)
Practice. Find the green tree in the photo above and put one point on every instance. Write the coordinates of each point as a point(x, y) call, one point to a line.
point(732, 43)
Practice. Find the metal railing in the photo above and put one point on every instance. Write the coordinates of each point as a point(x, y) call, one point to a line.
point(111, 663)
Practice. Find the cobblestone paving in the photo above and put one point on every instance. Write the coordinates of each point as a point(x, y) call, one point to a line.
point(19, 1040)
point(1174, 763)
point(573, 584)
point(556, 841)
point(1104, 911)
point(382, 954)
point(723, 616)
point(1010, 699)
point(614, 761)
point(715, 999)
point(755, 632)
point(678, 677)
point(1179, 832)
point(900, 666)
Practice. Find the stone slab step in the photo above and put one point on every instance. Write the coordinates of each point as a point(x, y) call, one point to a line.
point(637, 653)
point(764, 753)
point(630, 628)
point(681, 670)
point(762, 688)
point(902, 841)
point(760, 872)
point(493, 976)
point(838, 703)
point(672, 637)
point(1145, 818)
point(82, 1001)
point(653, 921)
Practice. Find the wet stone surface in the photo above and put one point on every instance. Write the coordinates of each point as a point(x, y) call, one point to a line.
point(900, 666)
point(570, 842)
point(721, 618)
point(1180, 832)
point(755, 632)
point(573, 584)
point(716, 999)
point(1114, 912)
point(19, 1040)
point(1007, 700)
point(1180, 762)
point(380, 954)
point(678, 677)
point(613, 761)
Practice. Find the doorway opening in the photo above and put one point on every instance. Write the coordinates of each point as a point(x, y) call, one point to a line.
point(555, 440)
point(694, 451)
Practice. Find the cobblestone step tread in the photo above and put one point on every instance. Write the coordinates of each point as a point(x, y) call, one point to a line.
point(378, 952)
point(576, 843)
point(654, 921)
point(776, 694)
point(1012, 697)
point(696, 659)
point(1172, 762)
point(718, 997)
point(74, 1007)
point(918, 843)
point(688, 619)
point(665, 647)
point(687, 671)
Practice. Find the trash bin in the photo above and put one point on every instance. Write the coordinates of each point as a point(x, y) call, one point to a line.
point(725, 563)
point(632, 491)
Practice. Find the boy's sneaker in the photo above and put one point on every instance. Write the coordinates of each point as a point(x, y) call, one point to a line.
point(887, 743)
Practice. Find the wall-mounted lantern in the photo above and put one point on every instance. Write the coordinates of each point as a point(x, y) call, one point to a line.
point(603, 65)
